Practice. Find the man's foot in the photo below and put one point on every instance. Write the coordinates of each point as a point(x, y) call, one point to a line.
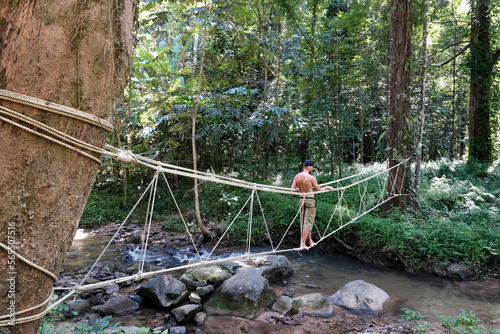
point(312, 244)
point(304, 247)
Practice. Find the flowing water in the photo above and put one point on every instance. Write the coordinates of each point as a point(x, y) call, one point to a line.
point(315, 271)
point(428, 295)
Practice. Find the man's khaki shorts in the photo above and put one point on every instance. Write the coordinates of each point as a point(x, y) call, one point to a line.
point(308, 213)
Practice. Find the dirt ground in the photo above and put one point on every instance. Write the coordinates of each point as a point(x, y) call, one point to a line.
point(269, 322)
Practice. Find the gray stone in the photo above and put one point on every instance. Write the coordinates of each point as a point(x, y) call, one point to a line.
point(79, 305)
point(135, 237)
point(212, 274)
point(459, 270)
point(137, 298)
point(194, 298)
point(111, 289)
point(286, 306)
point(163, 291)
point(360, 296)
point(128, 329)
point(314, 304)
point(187, 279)
point(119, 274)
point(134, 269)
point(439, 269)
point(201, 284)
point(185, 313)
point(204, 290)
point(273, 267)
point(200, 319)
point(241, 295)
point(96, 308)
point(177, 330)
point(119, 305)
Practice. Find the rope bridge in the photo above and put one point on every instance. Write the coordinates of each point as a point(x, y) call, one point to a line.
point(342, 215)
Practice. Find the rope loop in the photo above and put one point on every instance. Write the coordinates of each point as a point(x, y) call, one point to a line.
point(125, 156)
point(138, 277)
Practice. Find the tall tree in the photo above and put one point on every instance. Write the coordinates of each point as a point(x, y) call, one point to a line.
point(73, 53)
point(193, 131)
point(481, 69)
point(399, 104)
point(423, 88)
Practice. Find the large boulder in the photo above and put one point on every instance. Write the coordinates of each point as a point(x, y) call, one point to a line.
point(163, 291)
point(314, 304)
point(241, 295)
point(119, 305)
point(211, 274)
point(360, 296)
point(273, 267)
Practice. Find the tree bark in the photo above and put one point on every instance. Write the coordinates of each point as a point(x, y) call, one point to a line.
point(77, 54)
point(421, 118)
point(399, 103)
point(481, 66)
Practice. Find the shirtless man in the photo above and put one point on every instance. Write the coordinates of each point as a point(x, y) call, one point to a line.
point(305, 183)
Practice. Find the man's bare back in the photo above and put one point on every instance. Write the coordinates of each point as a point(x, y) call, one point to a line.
point(305, 182)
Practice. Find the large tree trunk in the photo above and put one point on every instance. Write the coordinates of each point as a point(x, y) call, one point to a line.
point(481, 67)
point(421, 118)
point(399, 103)
point(77, 54)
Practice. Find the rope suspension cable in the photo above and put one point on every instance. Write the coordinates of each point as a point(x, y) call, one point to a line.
point(52, 134)
point(116, 233)
point(142, 275)
point(182, 216)
point(198, 173)
point(126, 156)
point(147, 223)
point(55, 108)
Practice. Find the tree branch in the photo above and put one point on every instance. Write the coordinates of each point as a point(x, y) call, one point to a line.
point(448, 46)
point(454, 57)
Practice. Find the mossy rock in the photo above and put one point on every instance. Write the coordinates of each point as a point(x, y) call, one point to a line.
point(244, 296)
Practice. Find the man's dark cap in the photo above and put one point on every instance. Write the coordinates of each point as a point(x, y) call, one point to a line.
point(310, 163)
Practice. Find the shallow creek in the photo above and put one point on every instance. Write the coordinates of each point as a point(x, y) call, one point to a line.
point(315, 271)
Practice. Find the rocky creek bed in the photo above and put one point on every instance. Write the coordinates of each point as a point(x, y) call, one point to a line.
point(241, 296)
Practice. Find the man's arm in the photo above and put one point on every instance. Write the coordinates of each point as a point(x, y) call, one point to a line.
point(294, 184)
point(317, 187)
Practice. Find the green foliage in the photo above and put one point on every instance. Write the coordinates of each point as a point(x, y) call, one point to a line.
point(103, 207)
point(415, 318)
point(99, 326)
point(466, 323)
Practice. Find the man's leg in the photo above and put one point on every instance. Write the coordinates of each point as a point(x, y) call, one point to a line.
point(311, 243)
point(305, 235)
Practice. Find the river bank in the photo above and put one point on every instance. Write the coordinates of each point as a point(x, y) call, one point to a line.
point(312, 273)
